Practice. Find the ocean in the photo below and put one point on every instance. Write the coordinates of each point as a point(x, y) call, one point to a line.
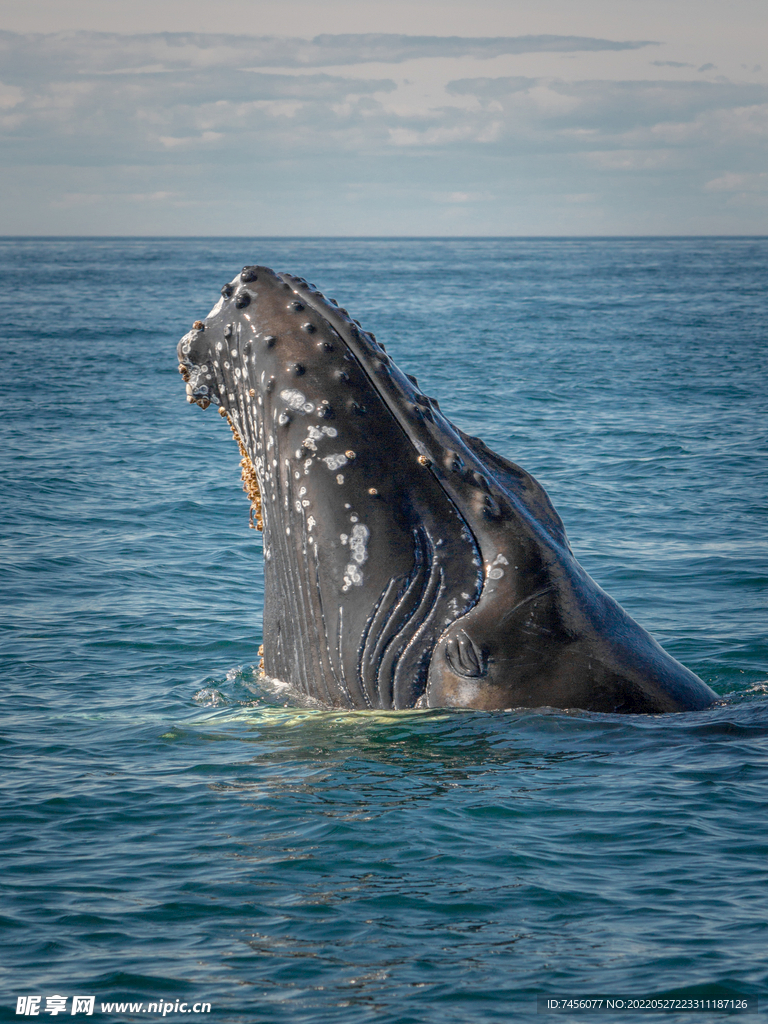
point(175, 834)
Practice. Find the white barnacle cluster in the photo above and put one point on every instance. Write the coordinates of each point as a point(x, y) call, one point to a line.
point(358, 546)
point(358, 542)
point(335, 461)
point(315, 434)
point(296, 400)
point(352, 577)
point(495, 572)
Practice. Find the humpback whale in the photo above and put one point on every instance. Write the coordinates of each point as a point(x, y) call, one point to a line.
point(406, 564)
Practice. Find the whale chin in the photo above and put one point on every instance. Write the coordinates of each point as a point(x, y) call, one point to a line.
point(406, 564)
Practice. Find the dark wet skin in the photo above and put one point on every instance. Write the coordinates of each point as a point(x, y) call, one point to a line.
point(405, 563)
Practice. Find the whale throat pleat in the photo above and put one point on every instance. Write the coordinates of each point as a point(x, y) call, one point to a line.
point(404, 607)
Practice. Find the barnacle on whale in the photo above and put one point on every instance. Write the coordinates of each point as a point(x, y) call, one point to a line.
point(249, 477)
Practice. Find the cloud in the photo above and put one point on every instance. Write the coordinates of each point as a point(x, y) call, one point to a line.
point(218, 110)
point(632, 159)
point(708, 67)
point(742, 130)
point(464, 197)
point(446, 135)
point(490, 87)
point(603, 107)
point(51, 56)
point(79, 199)
point(733, 182)
point(397, 48)
point(112, 119)
point(671, 64)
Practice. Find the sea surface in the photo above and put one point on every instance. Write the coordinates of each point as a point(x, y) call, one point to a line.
point(175, 833)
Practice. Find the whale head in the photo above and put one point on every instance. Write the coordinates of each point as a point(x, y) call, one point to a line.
point(405, 563)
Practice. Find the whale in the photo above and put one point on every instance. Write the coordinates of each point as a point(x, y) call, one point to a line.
point(406, 564)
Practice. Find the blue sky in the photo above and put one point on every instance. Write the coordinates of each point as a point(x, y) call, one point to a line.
point(485, 117)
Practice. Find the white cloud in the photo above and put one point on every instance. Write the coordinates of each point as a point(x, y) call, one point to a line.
point(190, 141)
point(632, 159)
point(732, 182)
point(442, 136)
point(10, 96)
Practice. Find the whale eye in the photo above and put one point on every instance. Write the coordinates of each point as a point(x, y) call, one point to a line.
point(242, 300)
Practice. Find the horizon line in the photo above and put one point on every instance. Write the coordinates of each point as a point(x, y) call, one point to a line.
point(379, 238)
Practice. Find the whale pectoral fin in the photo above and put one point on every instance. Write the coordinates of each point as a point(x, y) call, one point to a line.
point(517, 482)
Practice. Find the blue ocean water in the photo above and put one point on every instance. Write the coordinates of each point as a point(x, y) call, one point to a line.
point(172, 832)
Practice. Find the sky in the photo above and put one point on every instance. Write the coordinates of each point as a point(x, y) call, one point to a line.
point(382, 117)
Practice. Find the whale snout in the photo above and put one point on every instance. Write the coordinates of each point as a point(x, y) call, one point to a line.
point(211, 362)
point(196, 366)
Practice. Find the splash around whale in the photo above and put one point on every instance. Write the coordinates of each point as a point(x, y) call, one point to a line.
point(405, 563)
